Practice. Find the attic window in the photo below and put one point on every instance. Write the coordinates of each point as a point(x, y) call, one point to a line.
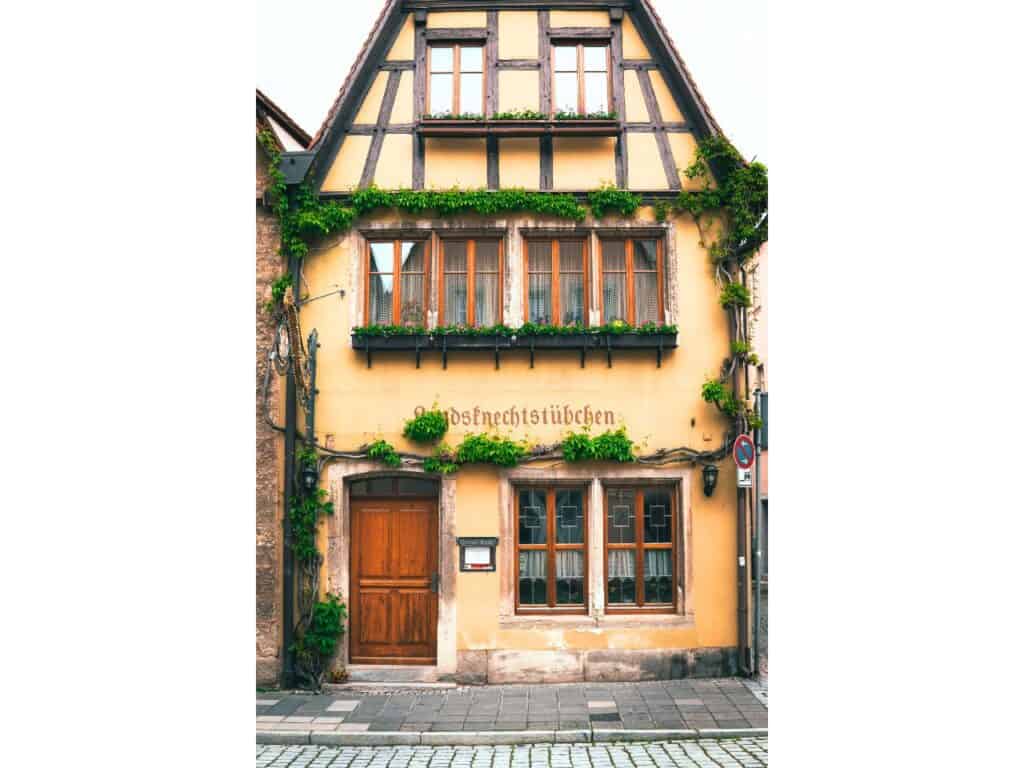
point(582, 85)
point(456, 84)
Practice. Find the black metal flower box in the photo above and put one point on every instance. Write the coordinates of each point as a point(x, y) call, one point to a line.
point(411, 341)
point(639, 340)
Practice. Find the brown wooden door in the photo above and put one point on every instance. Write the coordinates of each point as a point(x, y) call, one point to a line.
point(394, 565)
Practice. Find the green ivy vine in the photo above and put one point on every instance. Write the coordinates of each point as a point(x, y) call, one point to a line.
point(429, 427)
point(615, 328)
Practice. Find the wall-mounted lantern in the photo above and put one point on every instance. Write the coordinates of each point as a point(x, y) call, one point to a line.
point(710, 478)
point(310, 477)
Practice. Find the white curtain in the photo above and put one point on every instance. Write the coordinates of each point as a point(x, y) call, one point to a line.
point(657, 563)
point(569, 565)
point(621, 564)
point(533, 565)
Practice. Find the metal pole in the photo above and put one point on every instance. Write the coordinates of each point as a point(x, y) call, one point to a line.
point(756, 549)
point(288, 561)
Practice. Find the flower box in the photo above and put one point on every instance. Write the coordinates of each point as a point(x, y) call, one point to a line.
point(410, 341)
point(556, 341)
point(639, 340)
point(470, 341)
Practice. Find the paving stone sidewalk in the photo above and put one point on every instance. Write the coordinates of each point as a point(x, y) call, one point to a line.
point(704, 753)
point(693, 704)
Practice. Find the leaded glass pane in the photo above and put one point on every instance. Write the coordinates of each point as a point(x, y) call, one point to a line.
point(540, 298)
point(596, 91)
point(657, 576)
point(412, 486)
point(645, 255)
point(614, 289)
point(533, 517)
point(621, 517)
point(381, 292)
point(621, 576)
point(540, 255)
point(487, 256)
point(382, 257)
point(471, 94)
point(570, 256)
point(533, 584)
point(569, 578)
point(412, 256)
point(455, 256)
point(613, 255)
point(595, 59)
point(569, 516)
point(441, 100)
point(472, 59)
point(657, 516)
point(571, 299)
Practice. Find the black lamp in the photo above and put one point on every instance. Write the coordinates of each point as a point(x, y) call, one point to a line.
point(710, 478)
point(310, 477)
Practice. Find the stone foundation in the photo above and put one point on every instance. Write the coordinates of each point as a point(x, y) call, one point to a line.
point(599, 666)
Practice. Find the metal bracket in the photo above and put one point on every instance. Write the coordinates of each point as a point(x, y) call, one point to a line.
point(444, 353)
point(661, 344)
point(418, 347)
point(531, 351)
point(608, 344)
point(369, 351)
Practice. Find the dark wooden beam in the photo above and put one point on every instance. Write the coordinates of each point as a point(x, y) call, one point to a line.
point(493, 175)
point(420, 96)
point(399, 65)
point(619, 103)
point(491, 105)
point(638, 64)
point(387, 105)
point(664, 149)
point(580, 33)
point(650, 128)
point(518, 64)
point(468, 33)
point(547, 157)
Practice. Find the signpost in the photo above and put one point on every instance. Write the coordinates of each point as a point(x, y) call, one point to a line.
point(743, 452)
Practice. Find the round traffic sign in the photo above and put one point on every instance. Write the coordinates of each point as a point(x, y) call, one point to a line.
point(743, 452)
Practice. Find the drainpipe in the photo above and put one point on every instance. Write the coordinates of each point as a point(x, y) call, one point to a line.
point(742, 575)
point(288, 561)
point(756, 547)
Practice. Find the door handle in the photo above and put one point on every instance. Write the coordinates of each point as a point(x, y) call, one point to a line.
point(435, 582)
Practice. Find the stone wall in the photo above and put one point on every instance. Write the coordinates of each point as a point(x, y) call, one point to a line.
point(269, 452)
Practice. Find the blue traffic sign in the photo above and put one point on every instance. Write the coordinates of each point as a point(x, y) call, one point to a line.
point(743, 452)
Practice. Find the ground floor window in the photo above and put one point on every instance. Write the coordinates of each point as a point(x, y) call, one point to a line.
point(639, 548)
point(551, 549)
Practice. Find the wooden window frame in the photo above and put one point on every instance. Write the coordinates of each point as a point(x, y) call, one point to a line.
point(630, 282)
point(457, 46)
point(581, 90)
point(471, 278)
point(638, 547)
point(552, 547)
point(556, 282)
point(396, 273)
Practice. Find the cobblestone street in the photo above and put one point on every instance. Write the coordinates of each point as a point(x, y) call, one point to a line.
point(709, 753)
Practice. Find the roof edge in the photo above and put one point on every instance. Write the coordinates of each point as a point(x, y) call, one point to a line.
point(282, 118)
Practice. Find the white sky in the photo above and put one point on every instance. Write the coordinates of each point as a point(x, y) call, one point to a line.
point(306, 47)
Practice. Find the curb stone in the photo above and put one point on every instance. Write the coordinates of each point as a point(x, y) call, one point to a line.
point(484, 738)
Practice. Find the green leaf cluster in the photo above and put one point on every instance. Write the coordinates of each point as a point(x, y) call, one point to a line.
point(612, 445)
point(389, 330)
point(429, 427)
point(450, 116)
point(734, 295)
point(304, 514)
point(442, 462)
point(461, 201)
point(571, 114)
point(615, 328)
point(519, 114)
point(490, 449)
point(318, 643)
point(609, 198)
point(382, 450)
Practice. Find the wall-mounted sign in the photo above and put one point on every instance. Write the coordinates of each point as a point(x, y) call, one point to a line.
point(476, 553)
point(744, 478)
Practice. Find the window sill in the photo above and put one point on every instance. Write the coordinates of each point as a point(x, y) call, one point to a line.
point(457, 128)
point(616, 621)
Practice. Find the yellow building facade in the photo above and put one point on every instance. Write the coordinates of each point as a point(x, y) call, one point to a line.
point(601, 570)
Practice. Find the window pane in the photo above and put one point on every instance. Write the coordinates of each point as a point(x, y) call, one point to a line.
point(412, 309)
point(472, 59)
point(540, 299)
point(412, 256)
point(440, 94)
point(565, 58)
point(646, 297)
point(645, 255)
point(411, 486)
point(376, 486)
point(571, 299)
point(566, 92)
point(621, 517)
point(487, 256)
point(657, 576)
point(533, 584)
point(569, 517)
point(486, 300)
point(442, 59)
point(570, 256)
point(597, 92)
point(621, 576)
point(381, 291)
point(455, 256)
point(382, 257)
point(614, 288)
point(595, 59)
point(456, 307)
point(471, 97)
point(533, 517)
point(539, 255)
point(613, 255)
point(569, 578)
point(657, 516)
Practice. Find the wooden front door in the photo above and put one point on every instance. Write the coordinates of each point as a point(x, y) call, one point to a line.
point(394, 582)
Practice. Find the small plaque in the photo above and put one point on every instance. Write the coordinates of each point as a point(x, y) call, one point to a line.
point(476, 553)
